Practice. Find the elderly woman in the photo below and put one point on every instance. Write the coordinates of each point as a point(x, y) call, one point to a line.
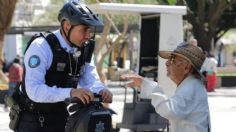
point(187, 110)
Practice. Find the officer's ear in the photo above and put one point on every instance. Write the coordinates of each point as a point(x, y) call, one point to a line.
point(66, 26)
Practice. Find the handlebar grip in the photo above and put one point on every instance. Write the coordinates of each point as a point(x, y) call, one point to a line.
point(73, 100)
point(73, 104)
point(97, 97)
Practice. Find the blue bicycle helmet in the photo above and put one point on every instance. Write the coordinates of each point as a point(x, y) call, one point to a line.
point(78, 13)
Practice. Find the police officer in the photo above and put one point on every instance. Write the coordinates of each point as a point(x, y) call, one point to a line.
point(51, 70)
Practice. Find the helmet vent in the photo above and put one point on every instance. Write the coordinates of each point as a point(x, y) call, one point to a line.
point(72, 13)
point(75, 3)
point(81, 10)
point(89, 10)
point(95, 17)
point(89, 19)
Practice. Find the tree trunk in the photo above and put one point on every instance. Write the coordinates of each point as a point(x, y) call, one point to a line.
point(101, 56)
point(3, 77)
point(100, 71)
point(204, 41)
point(7, 8)
point(1, 51)
point(203, 37)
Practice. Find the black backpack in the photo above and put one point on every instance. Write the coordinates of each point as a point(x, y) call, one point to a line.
point(87, 118)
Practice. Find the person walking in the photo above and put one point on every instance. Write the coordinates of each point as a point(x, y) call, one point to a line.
point(56, 71)
point(187, 110)
point(209, 69)
point(15, 74)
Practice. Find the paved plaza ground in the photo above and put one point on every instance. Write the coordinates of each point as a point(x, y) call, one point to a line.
point(222, 104)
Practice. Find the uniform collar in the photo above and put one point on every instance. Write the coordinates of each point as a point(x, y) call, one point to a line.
point(63, 42)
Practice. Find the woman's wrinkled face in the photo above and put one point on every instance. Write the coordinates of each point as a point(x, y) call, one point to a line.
point(177, 68)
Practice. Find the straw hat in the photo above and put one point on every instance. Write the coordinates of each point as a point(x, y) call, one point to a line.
point(193, 54)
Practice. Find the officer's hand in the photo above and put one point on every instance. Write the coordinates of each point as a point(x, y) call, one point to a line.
point(106, 96)
point(83, 94)
point(134, 79)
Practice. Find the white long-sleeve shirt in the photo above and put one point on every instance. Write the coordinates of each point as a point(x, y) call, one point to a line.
point(187, 110)
point(36, 88)
point(210, 65)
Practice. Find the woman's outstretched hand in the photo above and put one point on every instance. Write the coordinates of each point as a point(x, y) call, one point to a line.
point(134, 80)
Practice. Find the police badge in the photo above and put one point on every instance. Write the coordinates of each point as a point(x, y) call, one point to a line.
point(99, 127)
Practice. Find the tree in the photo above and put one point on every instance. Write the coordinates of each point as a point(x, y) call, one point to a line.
point(210, 19)
point(111, 22)
point(108, 42)
point(227, 22)
point(7, 8)
point(206, 18)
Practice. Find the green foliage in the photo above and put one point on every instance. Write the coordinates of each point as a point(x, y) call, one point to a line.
point(171, 2)
point(231, 31)
point(166, 2)
point(225, 74)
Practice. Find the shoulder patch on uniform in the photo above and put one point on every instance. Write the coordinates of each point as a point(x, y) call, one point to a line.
point(34, 61)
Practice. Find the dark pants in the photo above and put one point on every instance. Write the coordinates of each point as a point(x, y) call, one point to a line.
point(11, 87)
point(54, 122)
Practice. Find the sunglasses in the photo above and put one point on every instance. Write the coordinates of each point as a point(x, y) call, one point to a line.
point(173, 60)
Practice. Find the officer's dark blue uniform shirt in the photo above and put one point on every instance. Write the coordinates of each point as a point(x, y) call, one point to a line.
point(38, 60)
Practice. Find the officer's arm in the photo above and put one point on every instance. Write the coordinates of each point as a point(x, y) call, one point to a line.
point(90, 79)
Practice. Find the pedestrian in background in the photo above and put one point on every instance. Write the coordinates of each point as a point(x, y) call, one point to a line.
point(209, 69)
point(187, 110)
point(15, 74)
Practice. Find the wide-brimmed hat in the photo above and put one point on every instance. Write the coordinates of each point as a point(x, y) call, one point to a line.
point(192, 53)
